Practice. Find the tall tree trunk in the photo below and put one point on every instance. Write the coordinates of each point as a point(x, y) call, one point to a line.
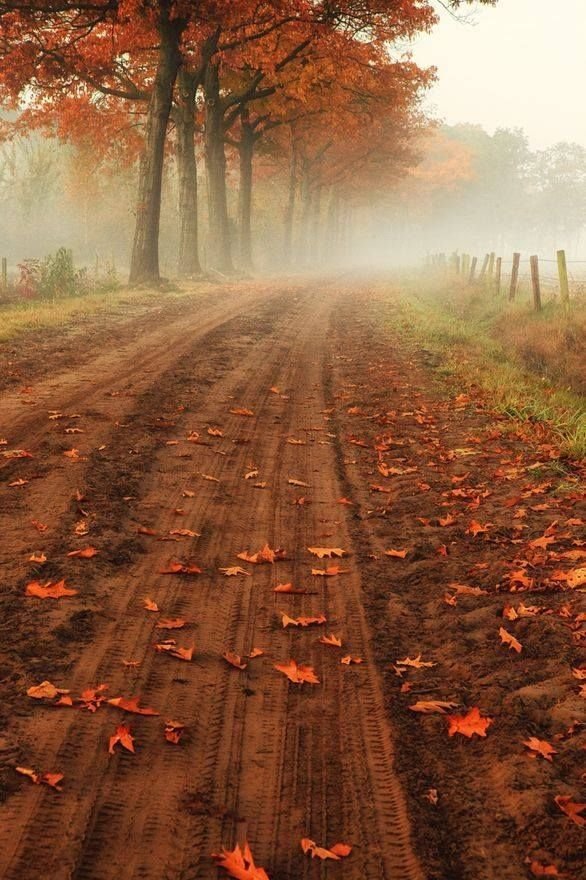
point(188, 263)
point(306, 199)
point(220, 252)
point(246, 151)
point(290, 206)
point(144, 264)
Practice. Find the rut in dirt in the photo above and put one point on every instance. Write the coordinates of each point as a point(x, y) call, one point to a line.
point(260, 759)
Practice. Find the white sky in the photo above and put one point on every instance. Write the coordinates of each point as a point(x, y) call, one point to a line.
point(521, 63)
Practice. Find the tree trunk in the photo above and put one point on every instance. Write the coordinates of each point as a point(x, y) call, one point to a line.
point(188, 263)
point(290, 207)
point(220, 255)
point(144, 264)
point(315, 227)
point(246, 151)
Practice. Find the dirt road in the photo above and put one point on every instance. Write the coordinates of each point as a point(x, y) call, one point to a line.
point(162, 450)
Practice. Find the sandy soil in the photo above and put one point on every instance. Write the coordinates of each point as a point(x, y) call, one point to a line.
point(261, 758)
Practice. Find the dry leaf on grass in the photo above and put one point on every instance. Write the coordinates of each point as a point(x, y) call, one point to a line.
point(234, 660)
point(50, 779)
point(470, 724)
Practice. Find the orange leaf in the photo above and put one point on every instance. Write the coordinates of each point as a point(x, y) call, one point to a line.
point(572, 810)
point(297, 673)
point(241, 411)
point(170, 647)
point(469, 724)
point(150, 605)
point(240, 864)
point(122, 736)
point(234, 659)
point(45, 691)
point(181, 568)
point(511, 641)
point(171, 623)
point(256, 652)
point(429, 706)
point(333, 640)
point(476, 528)
point(349, 659)
point(539, 870)
point(328, 572)
point(50, 779)
point(130, 704)
point(173, 731)
point(265, 554)
point(541, 747)
point(215, 432)
point(293, 482)
point(302, 621)
point(49, 590)
point(336, 852)
point(184, 533)
point(86, 553)
point(447, 520)
point(234, 570)
point(38, 558)
point(396, 554)
point(322, 552)
point(416, 663)
point(289, 588)
point(143, 530)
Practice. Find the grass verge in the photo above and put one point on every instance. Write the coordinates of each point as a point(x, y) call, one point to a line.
point(531, 365)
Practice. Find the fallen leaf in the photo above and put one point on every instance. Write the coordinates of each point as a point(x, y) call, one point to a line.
point(240, 864)
point(539, 870)
point(256, 652)
point(173, 732)
point(396, 554)
point(329, 552)
point(302, 621)
point(122, 736)
point(251, 475)
point(171, 623)
point(289, 588)
point(49, 590)
point(432, 796)
point(170, 647)
point(241, 411)
point(39, 526)
point(50, 779)
point(469, 724)
point(45, 691)
point(328, 572)
point(38, 558)
point(92, 698)
point(511, 641)
point(131, 704)
point(234, 570)
point(184, 533)
point(215, 432)
point(143, 530)
point(293, 482)
point(349, 659)
point(181, 568)
point(447, 520)
point(86, 553)
point(234, 659)
point(430, 706)
point(476, 528)
point(416, 663)
point(297, 673)
point(541, 747)
point(572, 810)
point(265, 554)
point(150, 605)
point(333, 640)
point(337, 851)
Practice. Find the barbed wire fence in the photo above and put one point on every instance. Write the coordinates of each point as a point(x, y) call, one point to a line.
point(532, 274)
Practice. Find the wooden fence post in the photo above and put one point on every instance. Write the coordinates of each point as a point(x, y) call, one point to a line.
point(563, 273)
point(497, 276)
point(4, 273)
point(472, 270)
point(484, 267)
point(534, 261)
point(514, 276)
point(465, 265)
point(490, 270)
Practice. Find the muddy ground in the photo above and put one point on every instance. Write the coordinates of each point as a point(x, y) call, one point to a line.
point(354, 441)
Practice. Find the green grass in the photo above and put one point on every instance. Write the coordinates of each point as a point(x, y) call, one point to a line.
point(480, 340)
point(17, 318)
